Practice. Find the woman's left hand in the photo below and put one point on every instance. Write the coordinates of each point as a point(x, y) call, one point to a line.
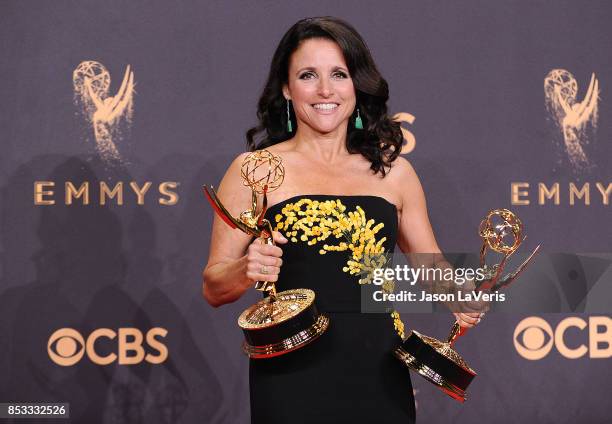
point(469, 313)
point(468, 319)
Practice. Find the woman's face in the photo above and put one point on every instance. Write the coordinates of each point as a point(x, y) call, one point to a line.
point(319, 85)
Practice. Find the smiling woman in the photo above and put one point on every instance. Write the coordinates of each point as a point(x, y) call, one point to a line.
point(322, 74)
point(322, 93)
point(345, 201)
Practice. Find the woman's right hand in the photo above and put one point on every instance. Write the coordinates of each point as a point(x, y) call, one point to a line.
point(264, 260)
point(235, 261)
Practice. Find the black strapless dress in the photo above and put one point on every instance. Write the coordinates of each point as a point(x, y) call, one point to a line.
point(349, 374)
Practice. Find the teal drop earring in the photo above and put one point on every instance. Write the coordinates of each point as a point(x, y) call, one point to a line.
point(358, 123)
point(289, 126)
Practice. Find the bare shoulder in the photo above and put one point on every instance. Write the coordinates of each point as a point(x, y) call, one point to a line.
point(282, 147)
point(232, 174)
point(287, 152)
point(404, 182)
point(237, 162)
point(401, 169)
point(232, 192)
point(402, 175)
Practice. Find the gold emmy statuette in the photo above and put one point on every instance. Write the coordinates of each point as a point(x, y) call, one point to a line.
point(284, 321)
point(437, 361)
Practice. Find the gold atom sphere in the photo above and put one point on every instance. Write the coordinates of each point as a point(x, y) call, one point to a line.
point(261, 169)
point(497, 226)
point(97, 74)
point(568, 86)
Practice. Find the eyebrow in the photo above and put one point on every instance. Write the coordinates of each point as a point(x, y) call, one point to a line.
point(310, 68)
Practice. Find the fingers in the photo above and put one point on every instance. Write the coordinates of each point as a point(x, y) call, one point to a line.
point(259, 272)
point(465, 321)
point(474, 307)
point(264, 260)
point(278, 237)
point(470, 305)
point(269, 261)
point(468, 319)
point(255, 274)
point(256, 248)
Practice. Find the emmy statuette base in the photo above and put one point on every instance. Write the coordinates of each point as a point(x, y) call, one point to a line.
point(437, 362)
point(287, 345)
point(273, 328)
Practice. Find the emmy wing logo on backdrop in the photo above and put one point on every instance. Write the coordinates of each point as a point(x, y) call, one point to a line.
point(109, 116)
point(105, 113)
point(574, 120)
point(574, 129)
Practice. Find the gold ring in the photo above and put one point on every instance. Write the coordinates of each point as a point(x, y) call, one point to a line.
point(264, 269)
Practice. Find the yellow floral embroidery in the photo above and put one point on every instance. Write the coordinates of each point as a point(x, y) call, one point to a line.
point(317, 221)
point(398, 324)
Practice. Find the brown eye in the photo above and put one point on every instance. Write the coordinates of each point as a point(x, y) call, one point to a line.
point(307, 75)
point(340, 74)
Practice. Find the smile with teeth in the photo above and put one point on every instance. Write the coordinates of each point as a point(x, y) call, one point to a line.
point(325, 106)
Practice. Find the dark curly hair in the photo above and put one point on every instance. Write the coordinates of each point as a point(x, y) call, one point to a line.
point(379, 141)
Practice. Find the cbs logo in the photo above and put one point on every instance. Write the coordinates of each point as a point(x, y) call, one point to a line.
point(67, 346)
point(534, 338)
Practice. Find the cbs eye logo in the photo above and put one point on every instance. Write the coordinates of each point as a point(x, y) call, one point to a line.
point(530, 338)
point(534, 337)
point(67, 346)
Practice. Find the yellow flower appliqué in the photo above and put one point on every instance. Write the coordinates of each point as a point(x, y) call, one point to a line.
point(314, 221)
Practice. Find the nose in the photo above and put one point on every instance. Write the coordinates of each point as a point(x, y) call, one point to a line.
point(325, 88)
